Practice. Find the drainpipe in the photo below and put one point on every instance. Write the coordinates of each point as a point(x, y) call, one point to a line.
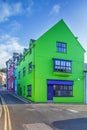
point(34, 73)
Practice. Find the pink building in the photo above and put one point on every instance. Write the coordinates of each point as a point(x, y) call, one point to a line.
point(10, 75)
point(11, 82)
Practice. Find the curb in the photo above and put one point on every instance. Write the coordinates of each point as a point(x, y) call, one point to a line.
point(20, 97)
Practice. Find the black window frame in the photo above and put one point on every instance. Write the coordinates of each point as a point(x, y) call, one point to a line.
point(61, 65)
point(63, 90)
point(19, 73)
point(29, 89)
point(24, 71)
point(30, 67)
point(61, 47)
point(24, 88)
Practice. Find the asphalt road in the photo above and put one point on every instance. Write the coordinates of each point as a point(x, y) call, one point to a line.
point(30, 116)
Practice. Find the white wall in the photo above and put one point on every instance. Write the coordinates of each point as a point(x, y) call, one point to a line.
point(85, 87)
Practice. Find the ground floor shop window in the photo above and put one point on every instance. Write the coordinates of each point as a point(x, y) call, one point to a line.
point(63, 90)
point(29, 90)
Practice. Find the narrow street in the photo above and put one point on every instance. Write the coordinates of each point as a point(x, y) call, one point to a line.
point(22, 115)
point(16, 110)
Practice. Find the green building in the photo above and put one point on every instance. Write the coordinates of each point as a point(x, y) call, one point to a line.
point(52, 69)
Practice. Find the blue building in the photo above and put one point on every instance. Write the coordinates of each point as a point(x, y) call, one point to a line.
point(15, 60)
point(11, 72)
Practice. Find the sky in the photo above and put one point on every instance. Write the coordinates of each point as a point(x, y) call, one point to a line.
point(22, 20)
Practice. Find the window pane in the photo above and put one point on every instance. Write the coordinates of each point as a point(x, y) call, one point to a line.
point(65, 88)
point(19, 74)
point(29, 90)
point(68, 63)
point(62, 90)
point(61, 47)
point(57, 62)
point(59, 44)
point(24, 71)
point(64, 45)
point(69, 87)
point(62, 65)
point(64, 50)
point(30, 67)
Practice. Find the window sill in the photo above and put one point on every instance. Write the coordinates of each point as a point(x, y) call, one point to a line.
point(63, 96)
point(62, 74)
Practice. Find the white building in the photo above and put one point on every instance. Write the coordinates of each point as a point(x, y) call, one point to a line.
point(85, 70)
point(2, 78)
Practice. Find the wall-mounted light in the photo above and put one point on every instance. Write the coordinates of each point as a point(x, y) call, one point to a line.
point(78, 79)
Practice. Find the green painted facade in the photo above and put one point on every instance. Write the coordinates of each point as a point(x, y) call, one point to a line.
point(41, 53)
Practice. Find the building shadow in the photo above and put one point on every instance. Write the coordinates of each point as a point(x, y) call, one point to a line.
point(12, 98)
point(71, 124)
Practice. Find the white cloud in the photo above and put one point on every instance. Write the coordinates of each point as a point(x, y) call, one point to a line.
point(55, 9)
point(14, 27)
point(12, 9)
point(8, 45)
point(29, 7)
point(8, 10)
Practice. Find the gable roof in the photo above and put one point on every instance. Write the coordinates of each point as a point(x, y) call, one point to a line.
point(61, 23)
point(72, 34)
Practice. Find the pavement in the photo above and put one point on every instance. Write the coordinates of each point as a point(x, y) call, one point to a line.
point(20, 97)
point(0, 111)
point(37, 126)
point(44, 116)
point(57, 117)
point(15, 95)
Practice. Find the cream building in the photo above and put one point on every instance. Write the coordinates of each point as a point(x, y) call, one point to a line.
point(2, 78)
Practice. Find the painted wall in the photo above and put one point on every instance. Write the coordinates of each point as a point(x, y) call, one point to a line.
point(11, 79)
point(15, 79)
point(29, 79)
point(45, 51)
point(85, 87)
point(11, 72)
point(42, 58)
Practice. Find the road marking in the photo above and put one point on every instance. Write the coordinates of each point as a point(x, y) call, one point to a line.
point(37, 126)
point(74, 111)
point(0, 111)
point(7, 121)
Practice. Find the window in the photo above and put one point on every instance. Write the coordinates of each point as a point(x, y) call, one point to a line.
point(63, 90)
point(24, 91)
point(30, 67)
point(19, 75)
point(29, 90)
point(24, 71)
point(30, 50)
point(61, 47)
point(62, 65)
